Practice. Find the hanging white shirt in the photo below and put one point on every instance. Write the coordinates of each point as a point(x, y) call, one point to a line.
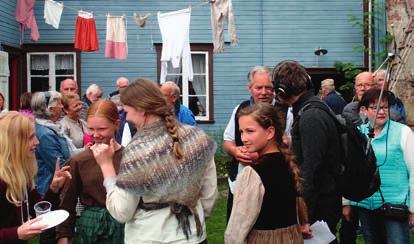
point(175, 32)
point(52, 13)
point(126, 135)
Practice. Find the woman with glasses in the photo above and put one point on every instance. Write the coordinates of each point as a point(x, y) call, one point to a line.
point(393, 144)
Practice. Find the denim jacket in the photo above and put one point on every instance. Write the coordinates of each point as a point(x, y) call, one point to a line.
point(51, 147)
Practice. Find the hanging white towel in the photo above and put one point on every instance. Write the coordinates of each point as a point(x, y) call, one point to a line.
point(52, 13)
point(175, 32)
point(4, 64)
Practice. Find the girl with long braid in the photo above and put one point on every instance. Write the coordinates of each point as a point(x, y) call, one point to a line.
point(166, 185)
point(267, 204)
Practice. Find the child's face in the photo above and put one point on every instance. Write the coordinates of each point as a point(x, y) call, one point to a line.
point(254, 137)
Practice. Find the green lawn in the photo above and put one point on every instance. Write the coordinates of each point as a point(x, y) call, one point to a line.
point(216, 223)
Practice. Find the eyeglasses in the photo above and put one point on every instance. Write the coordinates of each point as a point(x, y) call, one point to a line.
point(364, 85)
point(384, 108)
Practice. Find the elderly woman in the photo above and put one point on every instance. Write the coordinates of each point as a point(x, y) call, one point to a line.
point(393, 145)
point(73, 126)
point(47, 107)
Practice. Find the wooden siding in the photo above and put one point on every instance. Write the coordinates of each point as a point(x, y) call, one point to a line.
point(268, 31)
point(9, 27)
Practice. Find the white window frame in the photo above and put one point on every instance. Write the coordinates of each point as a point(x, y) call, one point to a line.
point(185, 92)
point(52, 72)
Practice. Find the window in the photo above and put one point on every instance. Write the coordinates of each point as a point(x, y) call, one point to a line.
point(45, 70)
point(195, 94)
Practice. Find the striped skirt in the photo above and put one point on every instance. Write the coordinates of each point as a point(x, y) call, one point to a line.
point(96, 225)
point(288, 235)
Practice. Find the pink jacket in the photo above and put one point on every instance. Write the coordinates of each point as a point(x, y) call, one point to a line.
point(25, 16)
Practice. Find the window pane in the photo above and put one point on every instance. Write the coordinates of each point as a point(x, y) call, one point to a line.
point(39, 62)
point(39, 84)
point(39, 72)
point(64, 64)
point(171, 70)
point(196, 105)
point(199, 63)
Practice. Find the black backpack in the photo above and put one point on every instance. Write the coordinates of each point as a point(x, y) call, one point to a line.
point(359, 176)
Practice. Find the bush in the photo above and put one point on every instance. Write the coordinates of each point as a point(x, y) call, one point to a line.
point(221, 157)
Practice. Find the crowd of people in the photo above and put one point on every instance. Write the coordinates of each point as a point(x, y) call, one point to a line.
point(136, 168)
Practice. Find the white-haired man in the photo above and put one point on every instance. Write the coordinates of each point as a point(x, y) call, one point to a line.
point(182, 113)
point(331, 97)
point(93, 94)
point(121, 83)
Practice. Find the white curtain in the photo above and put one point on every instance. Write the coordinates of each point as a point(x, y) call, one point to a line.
point(39, 62)
point(199, 81)
point(62, 62)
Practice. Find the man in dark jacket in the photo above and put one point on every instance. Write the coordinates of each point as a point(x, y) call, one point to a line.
point(331, 97)
point(315, 143)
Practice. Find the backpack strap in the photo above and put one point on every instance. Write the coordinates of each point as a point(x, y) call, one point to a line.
point(322, 106)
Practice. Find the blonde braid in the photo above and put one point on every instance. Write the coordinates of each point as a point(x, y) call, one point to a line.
point(171, 125)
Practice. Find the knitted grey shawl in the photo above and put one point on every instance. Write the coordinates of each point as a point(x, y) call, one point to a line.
point(149, 167)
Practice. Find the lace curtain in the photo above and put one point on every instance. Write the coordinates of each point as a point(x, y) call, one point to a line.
point(41, 62)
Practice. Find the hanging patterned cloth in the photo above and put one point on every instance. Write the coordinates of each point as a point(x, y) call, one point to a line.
point(116, 38)
point(86, 38)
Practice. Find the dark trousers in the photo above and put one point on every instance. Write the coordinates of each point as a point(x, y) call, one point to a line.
point(328, 209)
point(229, 204)
point(347, 232)
point(48, 237)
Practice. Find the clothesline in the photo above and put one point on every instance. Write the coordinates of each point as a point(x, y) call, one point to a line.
point(147, 13)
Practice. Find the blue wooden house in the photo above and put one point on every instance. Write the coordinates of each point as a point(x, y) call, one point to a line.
point(268, 31)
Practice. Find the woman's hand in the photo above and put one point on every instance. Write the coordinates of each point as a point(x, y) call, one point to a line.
point(60, 176)
point(411, 220)
point(103, 154)
point(347, 212)
point(63, 240)
point(30, 229)
point(306, 231)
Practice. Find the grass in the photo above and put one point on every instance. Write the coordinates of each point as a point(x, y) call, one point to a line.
point(216, 223)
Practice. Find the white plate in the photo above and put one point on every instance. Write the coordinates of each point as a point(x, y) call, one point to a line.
point(53, 218)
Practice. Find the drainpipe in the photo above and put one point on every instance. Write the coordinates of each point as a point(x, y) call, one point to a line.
point(261, 33)
point(370, 35)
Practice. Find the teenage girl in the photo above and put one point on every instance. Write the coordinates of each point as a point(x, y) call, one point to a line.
point(267, 204)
